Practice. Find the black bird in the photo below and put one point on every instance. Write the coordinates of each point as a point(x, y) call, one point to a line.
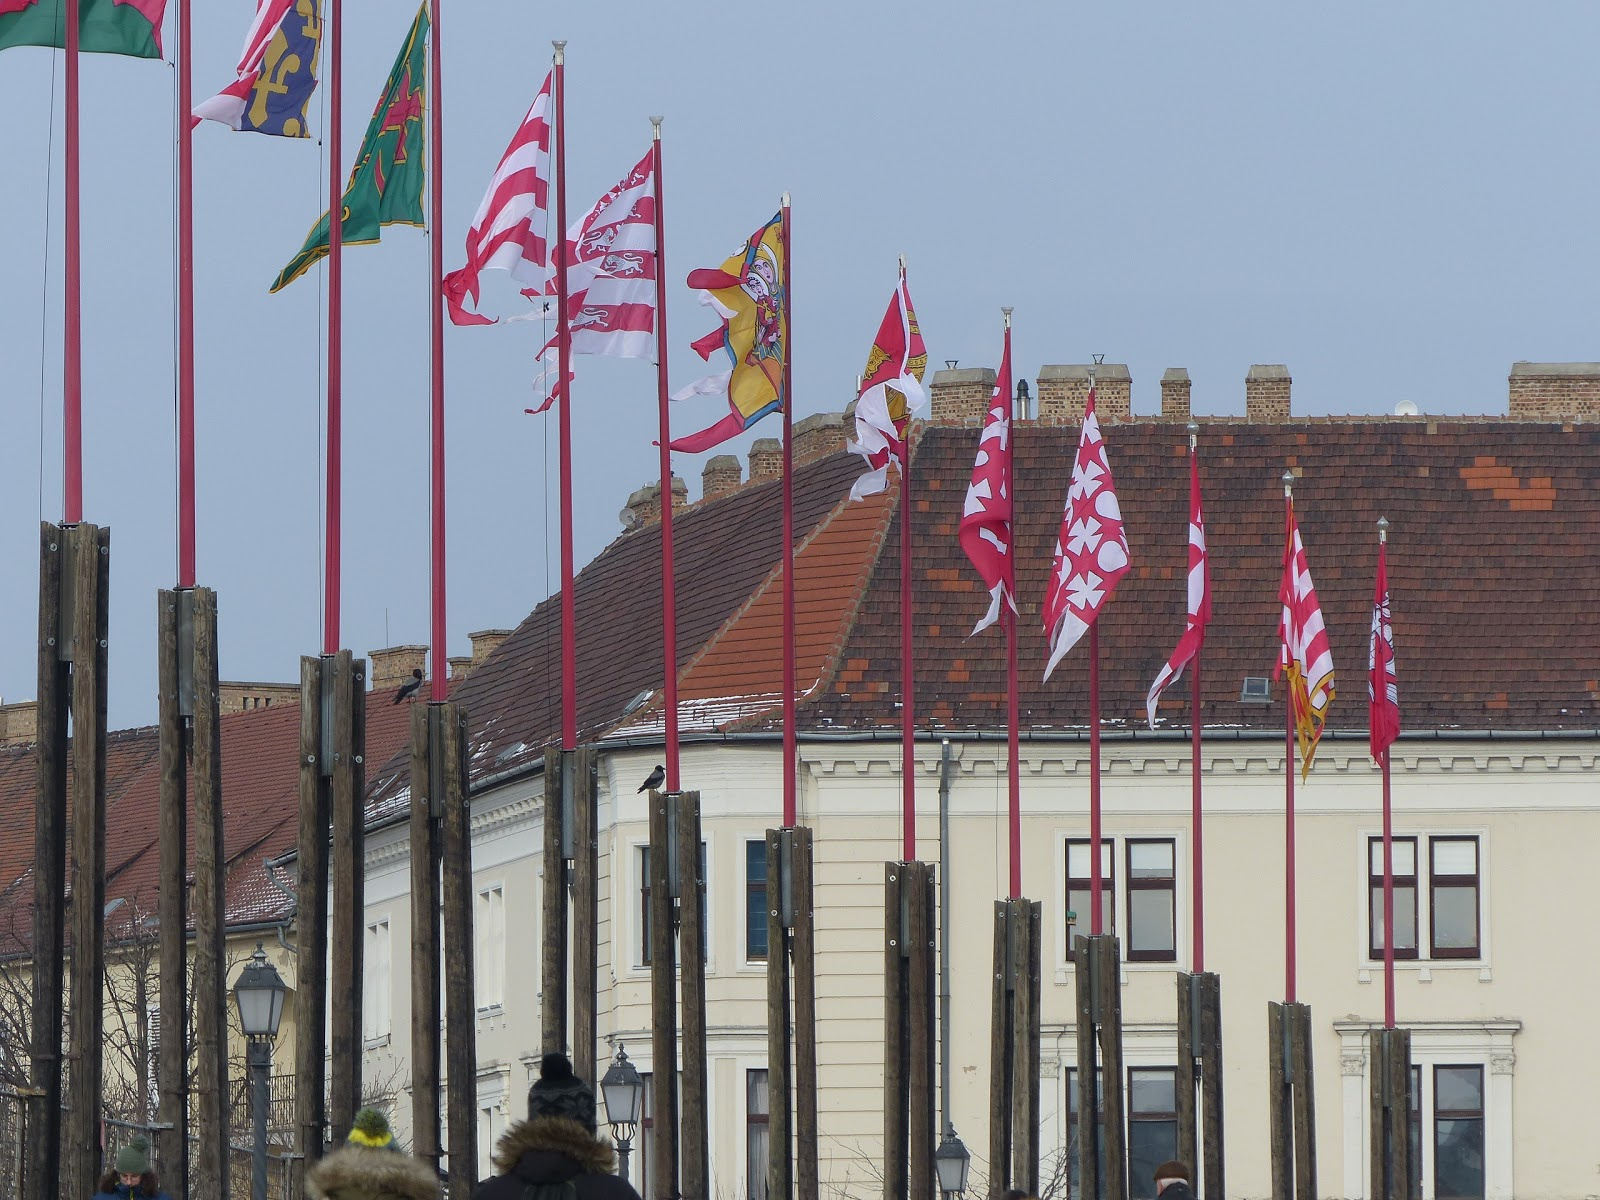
point(651, 784)
point(407, 690)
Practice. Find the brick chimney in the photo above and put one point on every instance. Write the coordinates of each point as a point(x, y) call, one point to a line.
point(249, 697)
point(460, 665)
point(19, 723)
point(1175, 394)
point(485, 642)
point(722, 474)
point(766, 460)
point(644, 506)
point(1555, 391)
point(961, 396)
point(1064, 390)
point(818, 436)
point(1266, 393)
point(393, 665)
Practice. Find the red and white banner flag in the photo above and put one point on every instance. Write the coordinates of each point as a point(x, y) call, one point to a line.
point(1194, 631)
point(986, 517)
point(1091, 549)
point(1383, 686)
point(510, 232)
point(611, 273)
point(1303, 640)
point(890, 394)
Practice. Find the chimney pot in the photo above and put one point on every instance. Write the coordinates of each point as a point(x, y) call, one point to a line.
point(722, 474)
point(766, 460)
point(1555, 391)
point(1266, 394)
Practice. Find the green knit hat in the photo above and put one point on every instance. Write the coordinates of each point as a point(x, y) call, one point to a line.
point(371, 1129)
point(134, 1158)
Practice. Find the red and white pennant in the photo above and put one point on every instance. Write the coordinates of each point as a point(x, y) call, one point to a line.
point(986, 515)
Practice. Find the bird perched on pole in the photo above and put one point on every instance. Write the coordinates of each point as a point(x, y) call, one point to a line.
point(407, 690)
point(655, 780)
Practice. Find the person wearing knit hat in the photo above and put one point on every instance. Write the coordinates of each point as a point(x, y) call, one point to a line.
point(556, 1150)
point(131, 1177)
point(369, 1166)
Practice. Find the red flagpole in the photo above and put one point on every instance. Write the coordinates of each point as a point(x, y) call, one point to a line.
point(438, 685)
point(669, 595)
point(790, 756)
point(1288, 796)
point(185, 303)
point(334, 533)
point(1094, 776)
point(908, 690)
point(72, 327)
point(1195, 727)
point(569, 628)
point(1388, 837)
point(1008, 620)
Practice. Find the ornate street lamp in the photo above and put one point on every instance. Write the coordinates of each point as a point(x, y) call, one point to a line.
point(624, 1092)
point(950, 1163)
point(259, 993)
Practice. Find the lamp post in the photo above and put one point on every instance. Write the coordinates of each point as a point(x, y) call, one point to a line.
point(259, 993)
point(624, 1091)
point(950, 1163)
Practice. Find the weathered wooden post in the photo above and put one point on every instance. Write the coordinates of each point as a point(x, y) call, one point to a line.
point(908, 1079)
point(175, 707)
point(344, 721)
point(663, 1000)
point(571, 892)
point(553, 945)
point(1199, 1078)
point(311, 917)
point(584, 1009)
point(694, 1137)
point(1014, 1050)
point(210, 1165)
point(447, 790)
point(1389, 1141)
point(425, 965)
point(1102, 1135)
point(1292, 1111)
point(791, 1016)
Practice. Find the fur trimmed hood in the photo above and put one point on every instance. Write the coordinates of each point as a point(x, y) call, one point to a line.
point(557, 1136)
point(366, 1173)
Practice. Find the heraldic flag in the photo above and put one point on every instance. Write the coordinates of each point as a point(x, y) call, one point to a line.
point(986, 515)
point(386, 185)
point(1383, 687)
point(751, 294)
point(891, 393)
point(131, 27)
point(276, 73)
point(1194, 630)
point(1304, 649)
point(1092, 548)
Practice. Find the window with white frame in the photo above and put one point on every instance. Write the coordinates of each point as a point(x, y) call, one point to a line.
point(1152, 900)
point(1438, 897)
point(491, 1124)
point(1080, 895)
point(375, 985)
point(755, 900)
point(489, 947)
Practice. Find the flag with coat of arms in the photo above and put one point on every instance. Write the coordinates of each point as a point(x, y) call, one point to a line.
point(890, 393)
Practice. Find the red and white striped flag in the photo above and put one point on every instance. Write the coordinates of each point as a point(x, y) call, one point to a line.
point(1383, 686)
point(1092, 548)
point(1194, 631)
point(510, 232)
point(611, 279)
point(1303, 639)
point(986, 517)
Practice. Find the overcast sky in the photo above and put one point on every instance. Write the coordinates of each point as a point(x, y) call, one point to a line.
point(1395, 200)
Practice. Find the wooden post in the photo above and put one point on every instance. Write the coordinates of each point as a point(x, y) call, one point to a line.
point(1305, 1119)
point(1025, 917)
point(1278, 1102)
point(448, 732)
point(346, 1045)
point(804, 963)
point(172, 1066)
point(424, 948)
point(88, 562)
point(311, 925)
point(1102, 1134)
point(780, 1118)
point(896, 1050)
point(1002, 1055)
point(1087, 1117)
point(1187, 1075)
point(922, 997)
point(209, 1169)
point(693, 1137)
point(1114, 1111)
point(553, 946)
point(585, 914)
point(42, 1174)
point(1211, 1084)
point(1389, 1075)
point(663, 1004)
point(1293, 1113)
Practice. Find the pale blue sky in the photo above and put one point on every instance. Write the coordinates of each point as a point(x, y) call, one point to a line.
point(1396, 200)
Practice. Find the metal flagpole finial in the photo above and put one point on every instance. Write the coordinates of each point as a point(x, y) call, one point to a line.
point(786, 200)
point(1005, 312)
point(1288, 483)
point(1194, 433)
point(561, 52)
point(902, 264)
point(1383, 530)
point(655, 127)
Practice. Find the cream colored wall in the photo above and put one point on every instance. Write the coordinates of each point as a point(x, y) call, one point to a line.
point(1518, 1010)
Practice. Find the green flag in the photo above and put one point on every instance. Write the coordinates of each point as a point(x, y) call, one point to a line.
point(131, 27)
point(386, 185)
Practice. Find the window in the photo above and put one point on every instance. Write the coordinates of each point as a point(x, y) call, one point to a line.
point(1152, 902)
point(1152, 1124)
point(489, 947)
point(1453, 896)
point(1404, 857)
point(644, 905)
point(1414, 1123)
point(755, 902)
point(375, 968)
point(1078, 890)
point(1076, 1134)
point(756, 1125)
point(491, 1124)
point(1458, 1133)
